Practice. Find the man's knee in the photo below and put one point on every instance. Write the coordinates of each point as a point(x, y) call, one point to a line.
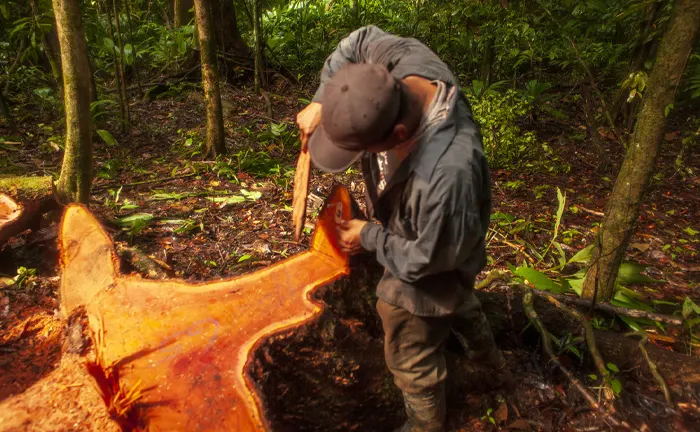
point(413, 348)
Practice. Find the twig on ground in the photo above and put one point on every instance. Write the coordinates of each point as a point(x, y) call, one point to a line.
point(652, 366)
point(529, 308)
point(158, 180)
point(591, 212)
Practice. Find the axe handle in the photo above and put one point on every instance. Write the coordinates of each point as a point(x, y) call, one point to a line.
point(301, 190)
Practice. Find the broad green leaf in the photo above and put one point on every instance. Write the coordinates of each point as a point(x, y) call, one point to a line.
point(576, 285)
point(690, 231)
point(583, 255)
point(108, 43)
point(562, 255)
point(632, 323)
point(107, 137)
point(630, 273)
point(244, 258)
point(616, 386)
point(130, 220)
point(224, 201)
point(626, 299)
point(539, 280)
point(613, 367)
point(252, 196)
point(163, 196)
point(689, 307)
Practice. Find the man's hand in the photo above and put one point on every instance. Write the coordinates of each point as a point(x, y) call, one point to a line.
point(349, 236)
point(307, 120)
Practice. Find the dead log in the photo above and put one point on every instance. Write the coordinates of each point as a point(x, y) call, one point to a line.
point(22, 202)
point(172, 355)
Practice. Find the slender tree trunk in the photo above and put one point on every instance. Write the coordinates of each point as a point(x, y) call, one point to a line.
point(623, 204)
point(181, 14)
point(210, 80)
point(133, 46)
point(127, 120)
point(228, 36)
point(115, 62)
point(76, 172)
point(15, 64)
point(177, 13)
point(50, 44)
point(260, 82)
point(5, 112)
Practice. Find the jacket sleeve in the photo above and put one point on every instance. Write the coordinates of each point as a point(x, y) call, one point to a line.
point(451, 227)
point(351, 49)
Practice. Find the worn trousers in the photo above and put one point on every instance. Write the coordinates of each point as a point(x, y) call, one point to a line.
point(413, 345)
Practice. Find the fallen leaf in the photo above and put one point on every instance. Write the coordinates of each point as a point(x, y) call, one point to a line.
point(642, 247)
point(501, 414)
point(520, 424)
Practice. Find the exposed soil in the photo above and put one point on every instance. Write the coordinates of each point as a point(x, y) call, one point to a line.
point(331, 375)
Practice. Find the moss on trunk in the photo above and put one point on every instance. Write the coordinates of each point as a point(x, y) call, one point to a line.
point(210, 78)
point(623, 204)
point(76, 172)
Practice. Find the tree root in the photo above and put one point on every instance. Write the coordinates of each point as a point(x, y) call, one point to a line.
point(652, 366)
point(590, 341)
point(529, 308)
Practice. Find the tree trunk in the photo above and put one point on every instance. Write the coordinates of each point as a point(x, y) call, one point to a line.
point(15, 64)
point(210, 80)
point(50, 44)
point(115, 63)
point(5, 112)
point(260, 82)
point(181, 14)
point(228, 36)
point(76, 172)
point(177, 13)
point(623, 204)
point(133, 46)
point(126, 125)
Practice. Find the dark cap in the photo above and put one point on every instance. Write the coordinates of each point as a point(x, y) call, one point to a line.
point(360, 106)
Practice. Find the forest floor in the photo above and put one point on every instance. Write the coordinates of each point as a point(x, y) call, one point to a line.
point(202, 220)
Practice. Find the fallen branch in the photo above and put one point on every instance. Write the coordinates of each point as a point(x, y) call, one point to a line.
point(139, 183)
point(607, 307)
point(590, 341)
point(591, 212)
point(534, 319)
point(652, 366)
point(142, 262)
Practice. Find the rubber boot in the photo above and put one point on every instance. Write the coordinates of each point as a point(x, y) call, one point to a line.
point(426, 411)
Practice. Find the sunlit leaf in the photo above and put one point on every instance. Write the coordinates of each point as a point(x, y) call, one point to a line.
point(107, 137)
point(583, 255)
point(538, 279)
point(630, 273)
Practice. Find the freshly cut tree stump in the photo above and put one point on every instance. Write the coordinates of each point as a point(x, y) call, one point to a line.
point(15, 217)
point(22, 201)
point(172, 355)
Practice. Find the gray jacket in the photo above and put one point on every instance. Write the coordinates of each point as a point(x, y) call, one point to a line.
point(435, 209)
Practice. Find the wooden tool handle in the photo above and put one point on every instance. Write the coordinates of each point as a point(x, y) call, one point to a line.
point(301, 190)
